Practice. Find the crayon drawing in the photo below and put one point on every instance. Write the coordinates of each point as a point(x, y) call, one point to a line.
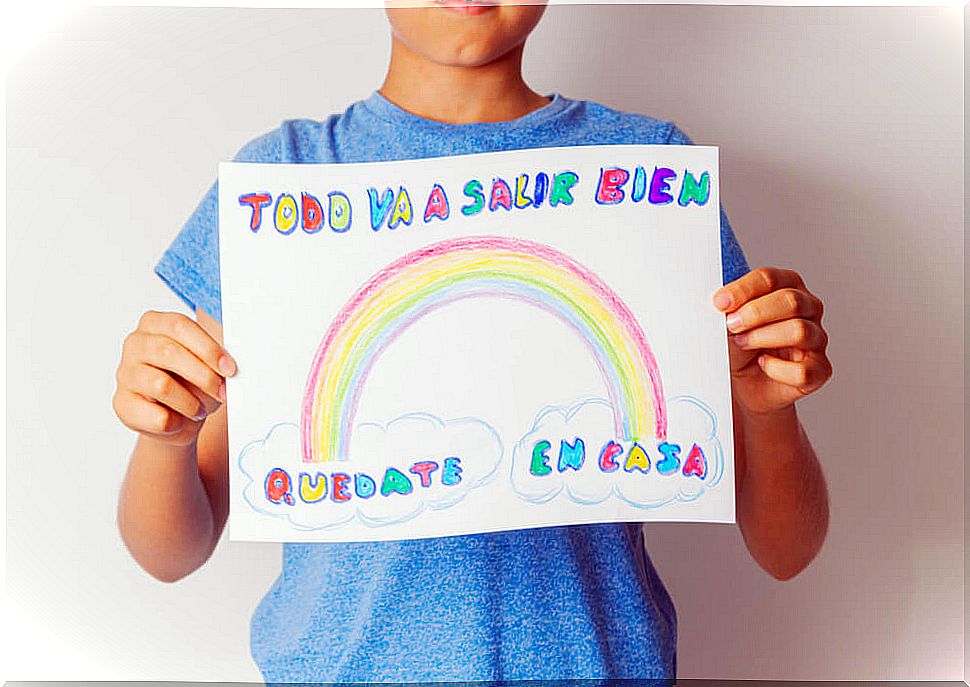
point(617, 272)
point(479, 266)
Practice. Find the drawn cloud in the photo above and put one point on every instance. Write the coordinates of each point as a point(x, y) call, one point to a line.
point(400, 444)
point(689, 420)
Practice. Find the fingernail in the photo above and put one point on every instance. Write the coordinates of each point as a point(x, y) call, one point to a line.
point(722, 301)
point(733, 321)
point(226, 366)
point(222, 392)
point(740, 340)
point(200, 416)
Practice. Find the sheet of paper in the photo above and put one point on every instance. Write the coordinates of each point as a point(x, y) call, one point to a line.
point(476, 343)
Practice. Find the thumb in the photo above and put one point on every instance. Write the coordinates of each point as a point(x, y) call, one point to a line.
point(740, 357)
point(210, 404)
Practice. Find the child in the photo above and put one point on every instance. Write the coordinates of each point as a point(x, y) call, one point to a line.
point(547, 603)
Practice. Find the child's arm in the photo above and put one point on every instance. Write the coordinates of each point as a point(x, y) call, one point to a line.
point(782, 499)
point(175, 497)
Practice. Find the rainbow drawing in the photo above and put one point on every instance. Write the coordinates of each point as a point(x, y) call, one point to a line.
point(480, 266)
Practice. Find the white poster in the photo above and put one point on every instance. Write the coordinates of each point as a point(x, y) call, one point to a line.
point(476, 343)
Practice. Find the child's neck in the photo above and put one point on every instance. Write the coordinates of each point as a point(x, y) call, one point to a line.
point(494, 92)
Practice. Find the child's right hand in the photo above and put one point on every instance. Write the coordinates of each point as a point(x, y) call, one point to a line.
point(171, 376)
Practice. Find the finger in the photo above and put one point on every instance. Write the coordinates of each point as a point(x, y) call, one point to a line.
point(139, 414)
point(160, 386)
point(739, 358)
point(778, 305)
point(794, 333)
point(210, 404)
point(168, 354)
point(806, 375)
point(754, 284)
point(191, 336)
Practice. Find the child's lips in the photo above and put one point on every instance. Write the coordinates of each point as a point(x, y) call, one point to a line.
point(466, 6)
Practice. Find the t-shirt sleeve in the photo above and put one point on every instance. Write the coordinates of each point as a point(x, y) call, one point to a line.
point(190, 264)
point(733, 262)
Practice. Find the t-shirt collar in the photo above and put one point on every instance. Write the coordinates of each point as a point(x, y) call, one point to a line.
point(385, 109)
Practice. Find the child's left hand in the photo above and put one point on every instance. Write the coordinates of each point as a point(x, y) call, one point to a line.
point(776, 342)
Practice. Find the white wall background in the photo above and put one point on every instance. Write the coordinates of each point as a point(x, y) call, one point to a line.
point(841, 134)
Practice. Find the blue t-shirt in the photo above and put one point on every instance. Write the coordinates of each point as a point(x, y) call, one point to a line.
point(552, 603)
